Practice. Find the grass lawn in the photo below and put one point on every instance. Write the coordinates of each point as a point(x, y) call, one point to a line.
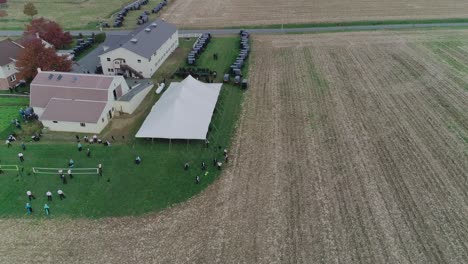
point(125, 188)
point(9, 109)
point(71, 14)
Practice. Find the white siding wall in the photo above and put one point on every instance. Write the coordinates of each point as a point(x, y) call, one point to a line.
point(130, 58)
point(72, 127)
point(164, 52)
point(118, 80)
point(39, 111)
point(7, 70)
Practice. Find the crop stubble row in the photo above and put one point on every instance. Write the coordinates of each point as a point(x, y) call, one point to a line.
point(343, 153)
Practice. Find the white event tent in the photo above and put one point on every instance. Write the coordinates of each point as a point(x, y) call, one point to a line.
point(184, 111)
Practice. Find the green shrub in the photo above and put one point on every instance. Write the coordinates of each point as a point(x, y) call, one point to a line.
point(101, 37)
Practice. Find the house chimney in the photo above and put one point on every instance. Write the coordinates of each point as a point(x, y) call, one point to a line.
point(39, 70)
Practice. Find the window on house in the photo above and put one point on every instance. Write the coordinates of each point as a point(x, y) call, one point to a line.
point(112, 70)
point(103, 120)
point(108, 69)
point(82, 124)
point(123, 61)
point(13, 78)
point(139, 61)
point(108, 59)
point(55, 122)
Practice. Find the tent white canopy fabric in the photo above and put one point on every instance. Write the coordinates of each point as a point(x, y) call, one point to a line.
point(184, 111)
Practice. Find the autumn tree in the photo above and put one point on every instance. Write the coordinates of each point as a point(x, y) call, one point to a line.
point(36, 55)
point(29, 9)
point(49, 31)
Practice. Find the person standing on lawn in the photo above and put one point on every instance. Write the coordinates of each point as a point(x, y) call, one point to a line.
point(30, 195)
point(49, 196)
point(29, 209)
point(61, 194)
point(46, 209)
point(70, 174)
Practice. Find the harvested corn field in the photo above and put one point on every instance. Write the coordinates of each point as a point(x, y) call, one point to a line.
point(231, 13)
point(351, 148)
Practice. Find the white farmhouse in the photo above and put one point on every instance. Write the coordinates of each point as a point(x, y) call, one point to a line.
point(142, 52)
point(9, 52)
point(84, 103)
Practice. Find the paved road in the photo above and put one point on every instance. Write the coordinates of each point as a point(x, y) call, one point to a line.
point(274, 30)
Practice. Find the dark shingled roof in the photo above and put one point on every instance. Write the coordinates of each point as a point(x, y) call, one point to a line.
point(9, 51)
point(73, 111)
point(147, 42)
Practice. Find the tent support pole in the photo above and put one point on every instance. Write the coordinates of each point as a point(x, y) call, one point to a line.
point(170, 144)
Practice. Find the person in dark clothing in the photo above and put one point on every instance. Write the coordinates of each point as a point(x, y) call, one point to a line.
point(21, 156)
point(30, 195)
point(77, 138)
point(23, 146)
point(226, 159)
point(203, 166)
point(186, 166)
point(197, 180)
point(49, 196)
point(29, 209)
point(61, 194)
point(215, 161)
point(64, 179)
point(88, 153)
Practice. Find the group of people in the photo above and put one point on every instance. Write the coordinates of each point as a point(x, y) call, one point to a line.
point(29, 209)
point(216, 163)
point(63, 177)
point(94, 140)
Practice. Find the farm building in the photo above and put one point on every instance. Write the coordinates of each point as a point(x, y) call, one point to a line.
point(184, 111)
point(85, 103)
point(142, 52)
point(9, 52)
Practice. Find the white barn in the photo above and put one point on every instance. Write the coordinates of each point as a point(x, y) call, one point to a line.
point(142, 52)
point(84, 103)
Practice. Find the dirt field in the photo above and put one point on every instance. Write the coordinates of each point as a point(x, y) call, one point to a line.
point(229, 13)
point(352, 148)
